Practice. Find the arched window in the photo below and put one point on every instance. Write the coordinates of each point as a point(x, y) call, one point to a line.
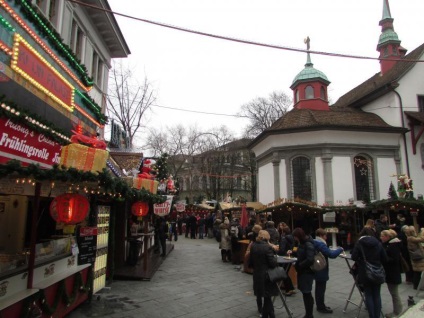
point(301, 178)
point(322, 93)
point(296, 96)
point(364, 178)
point(309, 92)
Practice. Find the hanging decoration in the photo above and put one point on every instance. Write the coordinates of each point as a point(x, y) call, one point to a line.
point(69, 208)
point(140, 208)
point(84, 158)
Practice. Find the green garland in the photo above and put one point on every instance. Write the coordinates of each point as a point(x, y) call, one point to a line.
point(105, 180)
point(401, 203)
point(20, 116)
point(92, 106)
point(45, 28)
point(60, 295)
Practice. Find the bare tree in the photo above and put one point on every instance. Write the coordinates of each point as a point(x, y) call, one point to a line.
point(263, 112)
point(128, 101)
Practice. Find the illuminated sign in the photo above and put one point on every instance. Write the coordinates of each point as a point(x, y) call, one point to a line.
point(27, 62)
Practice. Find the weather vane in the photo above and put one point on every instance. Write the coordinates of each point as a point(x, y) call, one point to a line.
point(307, 41)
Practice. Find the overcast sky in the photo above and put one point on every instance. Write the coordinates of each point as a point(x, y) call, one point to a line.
point(199, 73)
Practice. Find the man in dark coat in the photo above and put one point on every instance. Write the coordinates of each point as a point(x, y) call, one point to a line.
point(193, 226)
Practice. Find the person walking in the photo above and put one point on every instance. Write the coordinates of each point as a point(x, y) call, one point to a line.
point(202, 223)
point(321, 277)
point(376, 255)
point(393, 247)
point(225, 243)
point(193, 226)
point(416, 253)
point(262, 258)
point(305, 276)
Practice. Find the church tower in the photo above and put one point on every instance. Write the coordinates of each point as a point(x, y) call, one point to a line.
point(388, 43)
point(310, 87)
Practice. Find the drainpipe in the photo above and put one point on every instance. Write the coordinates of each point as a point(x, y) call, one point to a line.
point(394, 85)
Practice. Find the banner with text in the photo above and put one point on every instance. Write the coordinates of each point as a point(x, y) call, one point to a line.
point(163, 209)
point(19, 142)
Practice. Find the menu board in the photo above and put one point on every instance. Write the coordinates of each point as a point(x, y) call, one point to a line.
point(87, 244)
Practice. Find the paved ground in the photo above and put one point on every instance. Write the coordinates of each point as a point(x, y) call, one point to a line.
point(193, 282)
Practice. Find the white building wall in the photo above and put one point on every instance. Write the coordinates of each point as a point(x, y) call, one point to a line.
point(342, 179)
point(319, 177)
point(283, 179)
point(386, 168)
point(266, 184)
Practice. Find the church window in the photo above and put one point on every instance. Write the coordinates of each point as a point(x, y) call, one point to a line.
point(364, 178)
point(309, 92)
point(386, 51)
point(296, 96)
point(394, 50)
point(322, 93)
point(301, 178)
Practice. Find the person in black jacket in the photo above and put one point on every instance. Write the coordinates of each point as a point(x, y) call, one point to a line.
point(305, 276)
point(262, 257)
point(286, 245)
point(376, 255)
point(393, 247)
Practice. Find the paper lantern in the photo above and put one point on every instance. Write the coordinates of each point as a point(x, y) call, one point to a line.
point(69, 208)
point(140, 208)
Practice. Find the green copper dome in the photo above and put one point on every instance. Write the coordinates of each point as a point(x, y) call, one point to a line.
point(309, 73)
point(388, 36)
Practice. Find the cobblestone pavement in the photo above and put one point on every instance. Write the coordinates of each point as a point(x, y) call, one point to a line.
point(193, 282)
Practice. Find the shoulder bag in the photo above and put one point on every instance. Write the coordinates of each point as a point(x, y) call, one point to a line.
point(375, 274)
point(319, 261)
point(276, 274)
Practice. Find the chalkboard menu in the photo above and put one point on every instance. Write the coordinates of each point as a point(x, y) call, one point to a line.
point(87, 244)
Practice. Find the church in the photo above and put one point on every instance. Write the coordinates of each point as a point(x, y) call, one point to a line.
point(353, 150)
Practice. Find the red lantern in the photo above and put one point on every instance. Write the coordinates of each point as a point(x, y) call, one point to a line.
point(69, 208)
point(140, 208)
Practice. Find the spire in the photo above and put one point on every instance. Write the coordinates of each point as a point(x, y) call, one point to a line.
point(388, 43)
point(310, 86)
point(386, 10)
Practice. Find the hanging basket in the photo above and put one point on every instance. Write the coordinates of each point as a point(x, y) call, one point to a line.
point(69, 208)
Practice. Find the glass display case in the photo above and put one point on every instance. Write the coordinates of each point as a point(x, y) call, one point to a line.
point(44, 252)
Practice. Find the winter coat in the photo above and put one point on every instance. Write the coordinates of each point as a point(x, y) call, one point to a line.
point(274, 235)
point(286, 243)
point(225, 243)
point(380, 226)
point(305, 258)
point(262, 257)
point(392, 266)
point(414, 242)
point(374, 253)
point(321, 246)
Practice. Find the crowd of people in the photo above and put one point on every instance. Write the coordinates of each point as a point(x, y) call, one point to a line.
point(397, 247)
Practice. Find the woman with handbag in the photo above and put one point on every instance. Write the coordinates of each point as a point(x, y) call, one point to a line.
point(369, 250)
point(262, 258)
point(393, 247)
point(305, 276)
point(416, 253)
point(321, 277)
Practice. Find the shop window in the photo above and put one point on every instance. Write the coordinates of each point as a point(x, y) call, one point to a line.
point(364, 178)
point(309, 92)
point(301, 178)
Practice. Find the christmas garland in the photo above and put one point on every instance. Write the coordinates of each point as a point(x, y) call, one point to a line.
point(61, 294)
point(45, 28)
point(397, 204)
point(36, 123)
point(112, 186)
